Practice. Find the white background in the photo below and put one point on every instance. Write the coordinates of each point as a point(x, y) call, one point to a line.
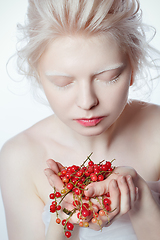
point(18, 109)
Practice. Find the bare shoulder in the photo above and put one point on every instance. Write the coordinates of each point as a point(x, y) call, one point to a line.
point(26, 145)
point(16, 151)
point(146, 113)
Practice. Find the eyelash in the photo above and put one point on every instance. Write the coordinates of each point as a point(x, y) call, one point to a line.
point(63, 87)
point(111, 81)
point(68, 85)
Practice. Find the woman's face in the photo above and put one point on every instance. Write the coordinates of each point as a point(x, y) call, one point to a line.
point(86, 81)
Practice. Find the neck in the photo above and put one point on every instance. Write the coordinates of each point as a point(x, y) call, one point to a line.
point(98, 144)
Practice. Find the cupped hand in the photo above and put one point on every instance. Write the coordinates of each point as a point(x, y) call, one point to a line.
point(121, 185)
point(55, 181)
point(123, 193)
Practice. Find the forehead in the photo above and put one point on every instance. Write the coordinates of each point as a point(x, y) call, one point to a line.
point(92, 53)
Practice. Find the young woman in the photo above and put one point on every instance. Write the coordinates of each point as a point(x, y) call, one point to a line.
point(85, 55)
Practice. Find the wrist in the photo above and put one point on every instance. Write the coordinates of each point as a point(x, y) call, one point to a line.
point(145, 204)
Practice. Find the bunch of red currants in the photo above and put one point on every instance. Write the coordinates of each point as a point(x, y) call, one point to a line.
point(75, 179)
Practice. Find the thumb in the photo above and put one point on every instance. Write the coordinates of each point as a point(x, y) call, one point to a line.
point(96, 189)
point(53, 179)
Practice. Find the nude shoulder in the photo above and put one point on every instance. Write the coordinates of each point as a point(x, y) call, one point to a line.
point(27, 146)
point(148, 113)
point(141, 120)
point(15, 152)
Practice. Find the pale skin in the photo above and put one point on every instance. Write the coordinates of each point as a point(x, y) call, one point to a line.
point(81, 81)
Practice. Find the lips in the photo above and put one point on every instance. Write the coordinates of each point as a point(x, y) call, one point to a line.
point(89, 122)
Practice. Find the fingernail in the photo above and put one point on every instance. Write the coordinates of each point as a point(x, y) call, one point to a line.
point(45, 172)
point(115, 184)
point(122, 180)
point(48, 164)
point(129, 178)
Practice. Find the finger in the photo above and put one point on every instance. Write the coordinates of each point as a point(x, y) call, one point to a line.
point(53, 165)
point(107, 219)
point(54, 179)
point(115, 200)
point(96, 189)
point(132, 190)
point(125, 204)
point(60, 166)
point(126, 171)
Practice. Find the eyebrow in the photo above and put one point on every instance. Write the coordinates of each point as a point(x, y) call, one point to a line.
point(116, 66)
point(55, 73)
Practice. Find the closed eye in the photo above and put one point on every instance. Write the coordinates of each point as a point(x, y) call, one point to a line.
point(111, 76)
point(61, 81)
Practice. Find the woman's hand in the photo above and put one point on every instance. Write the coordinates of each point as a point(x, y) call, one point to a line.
point(55, 181)
point(123, 193)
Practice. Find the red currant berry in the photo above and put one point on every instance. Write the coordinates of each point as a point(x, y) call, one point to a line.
point(108, 164)
point(58, 194)
point(96, 171)
point(52, 196)
point(75, 203)
point(94, 220)
point(70, 186)
point(68, 175)
point(65, 179)
point(74, 168)
point(79, 173)
point(90, 169)
point(63, 222)
point(70, 226)
point(75, 179)
point(108, 208)
point(79, 183)
point(68, 234)
point(90, 163)
point(83, 179)
point(104, 168)
point(77, 191)
point(100, 167)
point(110, 169)
point(100, 177)
point(85, 213)
point(107, 194)
point(95, 214)
point(101, 213)
point(86, 198)
point(63, 171)
point(52, 208)
point(81, 224)
point(69, 169)
point(106, 201)
point(58, 220)
point(87, 173)
point(85, 206)
point(94, 178)
point(78, 215)
point(59, 207)
point(84, 169)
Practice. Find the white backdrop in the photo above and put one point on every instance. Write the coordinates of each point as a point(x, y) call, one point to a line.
point(18, 109)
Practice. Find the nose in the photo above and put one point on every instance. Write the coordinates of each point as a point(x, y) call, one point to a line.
point(86, 96)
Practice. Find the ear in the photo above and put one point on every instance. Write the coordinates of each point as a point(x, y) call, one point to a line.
point(132, 78)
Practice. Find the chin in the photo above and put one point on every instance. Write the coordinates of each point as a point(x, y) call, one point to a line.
point(91, 131)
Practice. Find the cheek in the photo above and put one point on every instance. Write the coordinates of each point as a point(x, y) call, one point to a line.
point(115, 94)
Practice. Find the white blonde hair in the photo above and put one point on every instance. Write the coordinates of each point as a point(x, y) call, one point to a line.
point(49, 19)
